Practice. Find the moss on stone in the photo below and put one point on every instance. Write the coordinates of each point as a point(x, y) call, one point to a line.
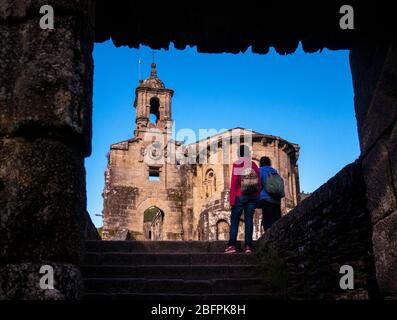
point(274, 272)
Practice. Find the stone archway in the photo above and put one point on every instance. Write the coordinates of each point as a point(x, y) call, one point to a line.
point(153, 220)
point(162, 221)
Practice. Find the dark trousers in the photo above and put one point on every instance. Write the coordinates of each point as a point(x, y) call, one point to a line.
point(246, 204)
point(271, 212)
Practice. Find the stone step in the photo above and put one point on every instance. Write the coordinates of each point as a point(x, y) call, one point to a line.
point(169, 270)
point(192, 272)
point(162, 297)
point(158, 246)
point(174, 286)
point(133, 259)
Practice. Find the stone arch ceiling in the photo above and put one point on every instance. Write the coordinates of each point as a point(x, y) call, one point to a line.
point(233, 28)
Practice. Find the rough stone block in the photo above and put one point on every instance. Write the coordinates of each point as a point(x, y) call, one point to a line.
point(366, 67)
point(46, 79)
point(374, 71)
point(42, 201)
point(393, 156)
point(22, 282)
point(385, 251)
point(379, 184)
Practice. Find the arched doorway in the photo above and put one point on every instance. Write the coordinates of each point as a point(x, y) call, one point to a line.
point(222, 230)
point(153, 219)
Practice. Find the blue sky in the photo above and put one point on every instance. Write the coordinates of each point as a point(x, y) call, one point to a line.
point(304, 98)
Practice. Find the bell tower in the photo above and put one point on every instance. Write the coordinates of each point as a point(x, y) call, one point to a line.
point(153, 105)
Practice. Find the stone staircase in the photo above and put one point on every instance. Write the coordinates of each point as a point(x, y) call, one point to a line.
point(169, 270)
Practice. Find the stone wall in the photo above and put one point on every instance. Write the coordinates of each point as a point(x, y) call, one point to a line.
point(374, 70)
point(129, 193)
point(303, 252)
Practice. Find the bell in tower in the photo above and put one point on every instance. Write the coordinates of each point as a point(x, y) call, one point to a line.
point(153, 106)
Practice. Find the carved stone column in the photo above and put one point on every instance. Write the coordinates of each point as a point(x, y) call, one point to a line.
point(45, 133)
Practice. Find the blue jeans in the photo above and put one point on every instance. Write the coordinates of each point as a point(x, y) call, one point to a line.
point(246, 203)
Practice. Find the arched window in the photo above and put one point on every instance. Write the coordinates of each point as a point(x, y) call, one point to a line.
point(154, 110)
point(209, 183)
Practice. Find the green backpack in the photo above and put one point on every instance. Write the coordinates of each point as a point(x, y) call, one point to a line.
point(274, 186)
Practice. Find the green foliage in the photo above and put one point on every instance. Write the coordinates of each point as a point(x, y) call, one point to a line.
point(150, 214)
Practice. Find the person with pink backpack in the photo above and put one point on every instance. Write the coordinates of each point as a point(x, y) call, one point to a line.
point(244, 191)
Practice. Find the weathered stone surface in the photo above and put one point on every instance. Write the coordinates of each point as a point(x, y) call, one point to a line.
point(45, 131)
point(42, 203)
point(46, 79)
point(392, 147)
point(375, 79)
point(22, 282)
point(374, 72)
point(385, 251)
point(366, 66)
point(381, 199)
point(303, 252)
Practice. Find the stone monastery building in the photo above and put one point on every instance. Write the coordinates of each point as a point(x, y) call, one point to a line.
point(157, 188)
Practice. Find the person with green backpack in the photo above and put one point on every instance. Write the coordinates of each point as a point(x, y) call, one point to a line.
point(271, 194)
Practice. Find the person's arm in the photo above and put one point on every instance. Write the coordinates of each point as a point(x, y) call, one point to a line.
point(233, 187)
point(258, 173)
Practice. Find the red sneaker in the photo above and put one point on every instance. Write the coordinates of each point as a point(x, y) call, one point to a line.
point(248, 249)
point(230, 249)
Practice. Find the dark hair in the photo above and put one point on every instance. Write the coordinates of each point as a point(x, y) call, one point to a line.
point(244, 151)
point(265, 161)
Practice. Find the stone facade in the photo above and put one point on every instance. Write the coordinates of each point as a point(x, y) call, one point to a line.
point(190, 183)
